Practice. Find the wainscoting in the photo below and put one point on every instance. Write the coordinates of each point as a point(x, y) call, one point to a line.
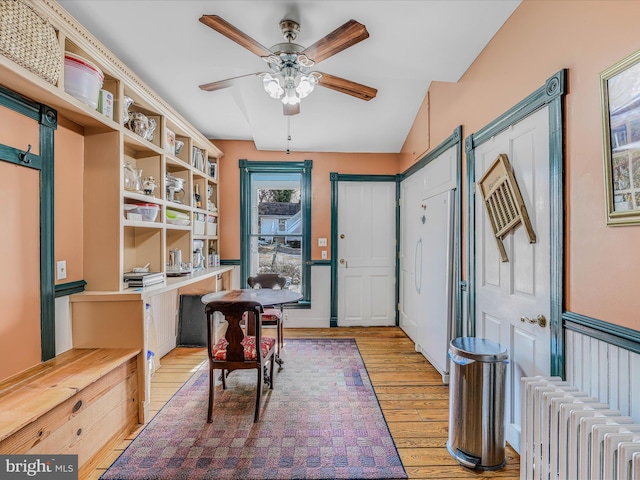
point(603, 360)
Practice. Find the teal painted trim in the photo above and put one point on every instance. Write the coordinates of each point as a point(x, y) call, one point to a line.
point(70, 288)
point(306, 238)
point(334, 178)
point(333, 320)
point(230, 262)
point(397, 269)
point(347, 177)
point(551, 94)
point(607, 332)
point(245, 220)
point(274, 166)
point(554, 87)
point(48, 124)
point(471, 228)
point(19, 104)
point(450, 141)
point(556, 205)
point(304, 169)
point(13, 155)
point(321, 263)
point(456, 138)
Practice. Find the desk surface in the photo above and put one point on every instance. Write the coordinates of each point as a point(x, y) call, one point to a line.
point(265, 296)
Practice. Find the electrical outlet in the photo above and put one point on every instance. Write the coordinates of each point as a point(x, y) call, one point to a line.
point(324, 254)
point(322, 242)
point(61, 270)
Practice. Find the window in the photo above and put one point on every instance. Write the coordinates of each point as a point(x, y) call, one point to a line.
point(275, 230)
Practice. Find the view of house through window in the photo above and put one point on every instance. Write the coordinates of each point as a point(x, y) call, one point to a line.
point(276, 226)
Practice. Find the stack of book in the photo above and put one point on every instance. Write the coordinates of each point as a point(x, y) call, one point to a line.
point(137, 279)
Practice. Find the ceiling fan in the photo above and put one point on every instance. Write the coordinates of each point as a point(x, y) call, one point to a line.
point(290, 77)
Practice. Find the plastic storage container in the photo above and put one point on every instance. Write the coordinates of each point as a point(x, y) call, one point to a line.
point(476, 403)
point(142, 212)
point(82, 79)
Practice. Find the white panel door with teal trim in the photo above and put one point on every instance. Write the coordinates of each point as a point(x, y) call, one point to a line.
point(511, 294)
point(366, 253)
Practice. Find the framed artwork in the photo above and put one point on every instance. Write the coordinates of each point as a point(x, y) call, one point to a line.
point(620, 92)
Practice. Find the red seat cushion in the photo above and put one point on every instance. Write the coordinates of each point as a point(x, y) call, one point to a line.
point(249, 344)
point(269, 315)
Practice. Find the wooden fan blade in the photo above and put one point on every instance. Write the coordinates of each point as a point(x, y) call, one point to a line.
point(225, 28)
point(347, 86)
point(342, 37)
point(291, 109)
point(210, 87)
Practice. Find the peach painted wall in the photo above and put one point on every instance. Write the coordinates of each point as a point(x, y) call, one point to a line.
point(323, 164)
point(20, 320)
point(20, 244)
point(540, 38)
point(68, 173)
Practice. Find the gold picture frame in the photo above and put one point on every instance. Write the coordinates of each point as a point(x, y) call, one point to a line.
point(620, 94)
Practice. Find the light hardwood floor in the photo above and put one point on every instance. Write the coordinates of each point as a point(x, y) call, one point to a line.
point(413, 399)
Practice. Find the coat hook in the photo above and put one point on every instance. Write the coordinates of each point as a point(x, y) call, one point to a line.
point(24, 157)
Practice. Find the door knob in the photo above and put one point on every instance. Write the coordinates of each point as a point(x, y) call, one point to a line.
point(541, 320)
point(342, 260)
point(342, 235)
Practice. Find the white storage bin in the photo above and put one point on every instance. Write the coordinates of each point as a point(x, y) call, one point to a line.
point(199, 222)
point(212, 228)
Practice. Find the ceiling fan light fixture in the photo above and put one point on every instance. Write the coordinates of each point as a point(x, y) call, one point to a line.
point(290, 97)
point(272, 86)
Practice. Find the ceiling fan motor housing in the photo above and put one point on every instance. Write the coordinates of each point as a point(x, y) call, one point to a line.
point(290, 29)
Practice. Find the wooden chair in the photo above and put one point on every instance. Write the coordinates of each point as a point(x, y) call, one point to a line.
point(272, 316)
point(234, 350)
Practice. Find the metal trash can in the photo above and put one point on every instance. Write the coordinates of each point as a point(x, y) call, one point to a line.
point(476, 403)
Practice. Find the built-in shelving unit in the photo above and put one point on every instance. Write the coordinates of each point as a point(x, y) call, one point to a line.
point(108, 315)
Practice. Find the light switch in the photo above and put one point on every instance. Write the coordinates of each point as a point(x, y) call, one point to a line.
point(324, 254)
point(322, 242)
point(61, 270)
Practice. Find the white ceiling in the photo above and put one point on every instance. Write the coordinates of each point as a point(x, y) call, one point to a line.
point(411, 44)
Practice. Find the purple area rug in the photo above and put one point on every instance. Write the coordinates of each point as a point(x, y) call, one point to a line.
point(322, 420)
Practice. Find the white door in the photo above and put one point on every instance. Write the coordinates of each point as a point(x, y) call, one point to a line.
point(411, 248)
point(436, 280)
point(509, 292)
point(366, 253)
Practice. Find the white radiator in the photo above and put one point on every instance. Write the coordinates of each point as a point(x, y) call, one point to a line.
point(566, 434)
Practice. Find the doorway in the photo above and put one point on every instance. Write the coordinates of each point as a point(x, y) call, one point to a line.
point(364, 251)
point(518, 303)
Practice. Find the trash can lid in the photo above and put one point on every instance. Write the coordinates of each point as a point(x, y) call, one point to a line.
point(479, 349)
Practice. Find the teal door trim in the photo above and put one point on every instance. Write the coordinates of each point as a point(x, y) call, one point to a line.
point(48, 121)
point(551, 94)
point(455, 139)
point(334, 178)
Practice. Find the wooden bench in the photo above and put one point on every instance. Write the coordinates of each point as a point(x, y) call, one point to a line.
point(81, 403)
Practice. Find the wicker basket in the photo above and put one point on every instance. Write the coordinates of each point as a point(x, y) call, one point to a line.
point(29, 40)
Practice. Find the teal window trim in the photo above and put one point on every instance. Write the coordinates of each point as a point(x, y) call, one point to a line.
point(44, 162)
point(304, 169)
point(455, 139)
point(551, 94)
point(334, 178)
